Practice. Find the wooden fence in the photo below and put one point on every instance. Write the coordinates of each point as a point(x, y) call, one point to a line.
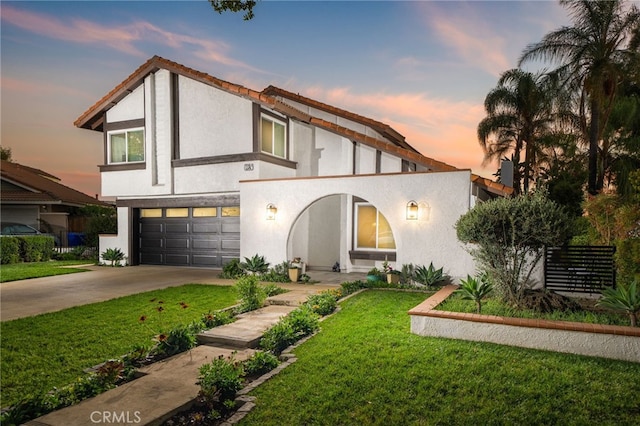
point(580, 269)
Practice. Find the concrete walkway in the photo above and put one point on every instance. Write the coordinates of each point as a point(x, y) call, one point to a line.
point(169, 386)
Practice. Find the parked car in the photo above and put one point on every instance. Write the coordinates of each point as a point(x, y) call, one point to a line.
point(11, 228)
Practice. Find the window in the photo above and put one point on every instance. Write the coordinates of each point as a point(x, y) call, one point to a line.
point(372, 229)
point(178, 212)
point(205, 211)
point(272, 136)
point(126, 146)
point(150, 212)
point(231, 211)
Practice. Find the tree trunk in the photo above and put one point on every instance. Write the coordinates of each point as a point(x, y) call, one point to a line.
point(593, 148)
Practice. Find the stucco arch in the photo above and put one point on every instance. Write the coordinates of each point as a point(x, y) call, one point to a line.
point(419, 242)
point(319, 234)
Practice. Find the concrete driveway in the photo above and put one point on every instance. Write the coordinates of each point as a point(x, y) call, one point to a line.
point(26, 298)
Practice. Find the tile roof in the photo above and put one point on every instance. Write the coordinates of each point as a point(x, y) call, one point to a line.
point(92, 118)
point(382, 128)
point(40, 187)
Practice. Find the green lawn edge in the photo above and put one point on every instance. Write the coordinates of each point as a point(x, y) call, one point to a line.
point(365, 367)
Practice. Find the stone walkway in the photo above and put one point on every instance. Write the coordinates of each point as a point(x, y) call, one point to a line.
point(168, 386)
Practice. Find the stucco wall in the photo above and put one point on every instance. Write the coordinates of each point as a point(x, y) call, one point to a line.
point(119, 240)
point(213, 122)
point(129, 108)
point(418, 242)
point(626, 348)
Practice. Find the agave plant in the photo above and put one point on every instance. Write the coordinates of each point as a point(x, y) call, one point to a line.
point(256, 264)
point(475, 289)
point(113, 255)
point(428, 276)
point(623, 299)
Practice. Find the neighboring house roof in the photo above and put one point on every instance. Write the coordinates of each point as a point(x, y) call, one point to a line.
point(33, 186)
point(92, 119)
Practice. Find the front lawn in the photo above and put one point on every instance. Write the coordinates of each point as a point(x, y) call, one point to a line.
point(365, 367)
point(53, 349)
point(23, 271)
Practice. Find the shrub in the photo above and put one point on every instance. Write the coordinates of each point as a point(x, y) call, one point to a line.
point(509, 236)
point(9, 250)
point(278, 274)
point(218, 318)
point(303, 320)
point(322, 304)
point(628, 259)
point(102, 220)
point(36, 248)
point(623, 299)
point(220, 379)
point(429, 276)
point(232, 270)
point(475, 289)
point(273, 289)
point(113, 255)
point(179, 339)
point(278, 338)
point(256, 264)
point(251, 294)
point(349, 287)
point(259, 363)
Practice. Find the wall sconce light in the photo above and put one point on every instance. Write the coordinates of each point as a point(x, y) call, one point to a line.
point(412, 210)
point(271, 211)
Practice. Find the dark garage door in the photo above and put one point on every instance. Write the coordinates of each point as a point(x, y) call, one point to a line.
point(186, 237)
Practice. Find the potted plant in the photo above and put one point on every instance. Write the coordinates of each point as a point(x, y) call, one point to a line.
point(373, 275)
point(294, 273)
point(393, 276)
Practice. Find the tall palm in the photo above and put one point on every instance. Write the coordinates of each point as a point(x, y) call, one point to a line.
point(591, 55)
point(519, 115)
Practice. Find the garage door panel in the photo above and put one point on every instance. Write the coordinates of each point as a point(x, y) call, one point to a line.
point(206, 243)
point(228, 244)
point(150, 227)
point(152, 243)
point(179, 259)
point(205, 260)
point(177, 228)
point(206, 228)
point(231, 228)
point(152, 258)
point(177, 243)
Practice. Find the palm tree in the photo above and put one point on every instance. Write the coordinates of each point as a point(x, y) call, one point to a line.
point(520, 113)
point(591, 55)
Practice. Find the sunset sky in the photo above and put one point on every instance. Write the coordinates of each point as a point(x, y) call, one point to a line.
point(422, 67)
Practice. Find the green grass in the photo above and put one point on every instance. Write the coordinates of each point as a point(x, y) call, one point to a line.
point(53, 349)
point(365, 367)
point(493, 306)
point(23, 271)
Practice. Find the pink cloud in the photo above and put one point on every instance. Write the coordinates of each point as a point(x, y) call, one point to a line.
point(472, 41)
point(122, 38)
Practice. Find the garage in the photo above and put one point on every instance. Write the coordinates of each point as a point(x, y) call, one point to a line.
point(188, 236)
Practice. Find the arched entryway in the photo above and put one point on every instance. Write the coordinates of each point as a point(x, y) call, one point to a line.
point(332, 228)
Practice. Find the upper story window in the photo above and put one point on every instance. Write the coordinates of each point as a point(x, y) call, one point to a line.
point(273, 136)
point(126, 146)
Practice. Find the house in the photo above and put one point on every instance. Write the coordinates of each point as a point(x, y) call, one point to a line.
point(204, 170)
point(36, 198)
